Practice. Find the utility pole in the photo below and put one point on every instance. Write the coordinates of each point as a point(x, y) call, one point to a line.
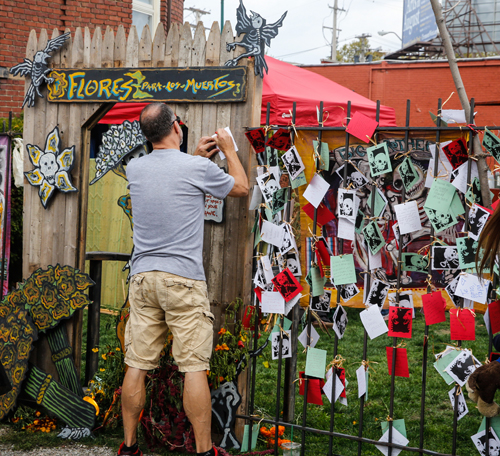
point(364, 49)
point(335, 8)
point(198, 13)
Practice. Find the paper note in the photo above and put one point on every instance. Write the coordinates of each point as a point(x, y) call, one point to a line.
point(472, 287)
point(361, 376)
point(396, 424)
point(272, 302)
point(290, 304)
point(266, 268)
point(256, 198)
point(460, 182)
point(361, 126)
point(316, 190)
point(342, 269)
point(462, 324)
point(373, 321)
point(272, 234)
point(375, 260)
point(317, 282)
point(440, 195)
point(434, 308)
point(444, 166)
point(293, 163)
point(339, 387)
point(408, 217)
point(324, 153)
point(443, 362)
point(452, 116)
point(401, 368)
point(396, 438)
point(347, 204)
point(246, 435)
point(299, 181)
point(316, 362)
point(221, 154)
point(314, 337)
point(380, 203)
point(462, 405)
point(345, 229)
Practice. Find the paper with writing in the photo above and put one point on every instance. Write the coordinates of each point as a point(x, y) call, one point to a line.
point(272, 302)
point(342, 269)
point(345, 229)
point(462, 324)
point(375, 260)
point(316, 190)
point(440, 195)
point(373, 321)
point(472, 287)
point(316, 362)
point(272, 234)
point(408, 217)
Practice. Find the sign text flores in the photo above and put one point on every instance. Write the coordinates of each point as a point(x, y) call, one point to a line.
point(182, 85)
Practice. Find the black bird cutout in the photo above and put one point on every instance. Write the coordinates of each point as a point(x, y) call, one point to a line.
point(37, 69)
point(257, 35)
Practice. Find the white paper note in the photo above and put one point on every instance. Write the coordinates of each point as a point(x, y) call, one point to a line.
point(444, 166)
point(451, 116)
point(256, 198)
point(267, 268)
point(460, 182)
point(289, 305)
point(346, 229)
point(361, 376)
point(408, 217)
point(221, 154)
point(272, 302)
point(316, 190)
point(472, 287)
point(375, 260)
point(313, 340)
point(397, 438)
point(486, 318)
point(327, 387)
point(272, 234)
point(373, 321)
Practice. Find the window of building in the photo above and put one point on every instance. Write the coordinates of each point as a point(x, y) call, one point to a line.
point(145, 12)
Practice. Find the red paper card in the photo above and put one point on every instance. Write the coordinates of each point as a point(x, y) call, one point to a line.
point(495, 205)
point(361, 126)
point(401, 361)
point(456, 152)
point(341, 376)
point(323, 252)
point(462, 324)
point(258, 292)
point(324, 215)
point(400, 322)
point(247, 317)
point(490, 211)
point(257, 139)
point(314, 389)
point(280, 140)
point(494, 314)
point(434, 308)
point(320, 264)
point(287, 284)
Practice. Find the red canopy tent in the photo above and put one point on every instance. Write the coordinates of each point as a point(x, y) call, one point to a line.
point(283, 85)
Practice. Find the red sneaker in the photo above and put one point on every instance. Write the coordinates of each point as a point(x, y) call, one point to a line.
point(129, 452)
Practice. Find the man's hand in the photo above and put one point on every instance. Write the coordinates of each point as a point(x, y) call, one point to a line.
point(225, 142)
point(206, 147)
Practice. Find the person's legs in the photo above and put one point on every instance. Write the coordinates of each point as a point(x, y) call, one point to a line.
point(133, 398)
point(198, 407)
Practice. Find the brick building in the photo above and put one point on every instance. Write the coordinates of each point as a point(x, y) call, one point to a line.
point(422, 82)
point(18, 17)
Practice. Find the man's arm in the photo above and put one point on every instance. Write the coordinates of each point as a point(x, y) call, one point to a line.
point(206, 147)
point(225, 144)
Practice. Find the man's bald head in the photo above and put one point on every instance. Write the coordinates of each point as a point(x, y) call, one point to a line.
point(156, 121)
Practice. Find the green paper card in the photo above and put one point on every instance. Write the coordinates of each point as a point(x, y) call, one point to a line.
point(269, 214)
point(309, 279)
point(440, 220)
point(258, 237)
point(246, 432)
point(324, 153)
point(379, 159)
point(442, 363)
point(316, 362)
point(456, 207)
point(408, 173)
point(373, 237)
point(494, 423)
point(396, 424)
point(415, 262)
point(299, 181)
point(317, 282)
point(342, 269)
point(467, 248)
point(380, 203)
point(280, 198)
point(491, 143)
point(440, 195)
point(287, 324)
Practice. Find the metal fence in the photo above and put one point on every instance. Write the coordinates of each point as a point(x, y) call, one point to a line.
point(286, 369)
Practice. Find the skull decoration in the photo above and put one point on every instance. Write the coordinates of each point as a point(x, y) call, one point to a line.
point(347, 206)
point(380, 162)
point(350, 290)
point(451, 254)
point(357, 179)
point(49, 167)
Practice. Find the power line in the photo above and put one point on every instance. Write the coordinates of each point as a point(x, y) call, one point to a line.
point(301, 52)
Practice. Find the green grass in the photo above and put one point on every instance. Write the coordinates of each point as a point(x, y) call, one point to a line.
point(438, 414)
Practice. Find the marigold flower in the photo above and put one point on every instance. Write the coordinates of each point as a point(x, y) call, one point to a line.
point(117, 349)
point(95, 350)
point(222, 331)
point(103, 356)
point(102, 369)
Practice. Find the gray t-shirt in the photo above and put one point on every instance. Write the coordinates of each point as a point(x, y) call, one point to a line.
point(168, 188)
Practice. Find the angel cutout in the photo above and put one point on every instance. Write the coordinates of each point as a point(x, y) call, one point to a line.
point(257, 35)
point(38, 69)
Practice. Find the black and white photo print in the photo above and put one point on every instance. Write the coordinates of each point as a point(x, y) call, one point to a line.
point(347, 207)
point(322, 303)
point(467, 248)
point(378, 293)
point(379, 160)
point(360, 222)
point(348, 292)
point(373, 237)
point(286, 347)
point(293, 263)
point(477, 220)
point(461, 406)
point(293, 163)
point(493, 444)
point(288, 240)
point(492, 144)
point(408, 173)
point(268, 185)
point(355, 178)
point(444, 257)
point(450, 289)
point(462, 366)
point(440, 220)
point(340, 321)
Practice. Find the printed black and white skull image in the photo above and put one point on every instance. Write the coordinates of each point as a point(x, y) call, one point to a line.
point(49, 167)
point(347, 206)
point(380, 161)
point(451, 255)
point(357, 179)
point(350, 290)
point(419, 261)
point(271, 187)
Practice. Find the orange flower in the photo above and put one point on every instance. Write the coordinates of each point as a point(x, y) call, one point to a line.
point(222, 331)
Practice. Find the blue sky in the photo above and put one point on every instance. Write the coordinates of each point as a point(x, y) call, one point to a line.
point(302, 28)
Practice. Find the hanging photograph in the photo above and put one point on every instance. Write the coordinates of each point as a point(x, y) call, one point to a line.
point(415, 262)
point(286, 346)
point(491, 143)
point(378, 157)
point(340, 321)
point(348, 292)
point(268, 185)
point(355, 178)
point(373, 237)
point(293, 163)
point(467, 248)
point(444, 258)
point(456, 152)
point(322, 303)
point(462, 405)
point(347, 204)
point(478, 216)
point(493, 443)
point(462, 366)
point(409, 174)
point(378, 293)
point(440, 220)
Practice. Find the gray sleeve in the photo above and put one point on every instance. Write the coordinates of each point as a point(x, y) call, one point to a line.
point(217, 183)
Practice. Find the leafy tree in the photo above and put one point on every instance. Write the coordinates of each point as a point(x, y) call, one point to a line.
point(360, 47)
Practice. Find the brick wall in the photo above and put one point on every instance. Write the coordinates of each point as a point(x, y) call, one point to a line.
point(422, 83)
point(18, 17)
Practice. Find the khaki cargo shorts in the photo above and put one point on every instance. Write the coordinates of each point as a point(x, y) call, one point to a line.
point(159, 301)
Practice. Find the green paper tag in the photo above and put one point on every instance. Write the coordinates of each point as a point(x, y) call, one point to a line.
point(467, 248)
point(299, 181)
point(246, 432)
point(379, 159)
point(456, 207)
point(379, 203)
point(373, 237)
point(409, 174)
point(258, 237)
point(415, 262)
point(442, 363)
point(342, 269)
point(280, 198)
point(317, 282)
point(494, 423)
point(397, 424)
point(325, 155)
point(316, 362)
point(287, 324)
point(491, 143)
point(440, 195)
point(440, 220)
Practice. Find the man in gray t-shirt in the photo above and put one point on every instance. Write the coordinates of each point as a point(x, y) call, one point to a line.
point(167, 288)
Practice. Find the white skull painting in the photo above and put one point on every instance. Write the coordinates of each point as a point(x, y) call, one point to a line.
point(357, 179)
point(347, 207)
point(49, 167)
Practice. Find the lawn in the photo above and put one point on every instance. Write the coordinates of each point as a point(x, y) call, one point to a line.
point(438, 415)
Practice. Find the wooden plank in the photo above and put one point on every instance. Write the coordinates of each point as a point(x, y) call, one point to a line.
point(185, 49)
point(120, 47)
point(145, 48)
point(96, 49)
point(172, 46)
point(108, 48)
point(132, 56)
point(87, 43)
point(158, 52)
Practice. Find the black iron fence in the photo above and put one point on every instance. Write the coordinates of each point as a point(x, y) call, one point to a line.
point(284, 413)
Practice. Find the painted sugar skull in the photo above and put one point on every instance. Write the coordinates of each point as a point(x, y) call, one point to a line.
point(49, 167)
